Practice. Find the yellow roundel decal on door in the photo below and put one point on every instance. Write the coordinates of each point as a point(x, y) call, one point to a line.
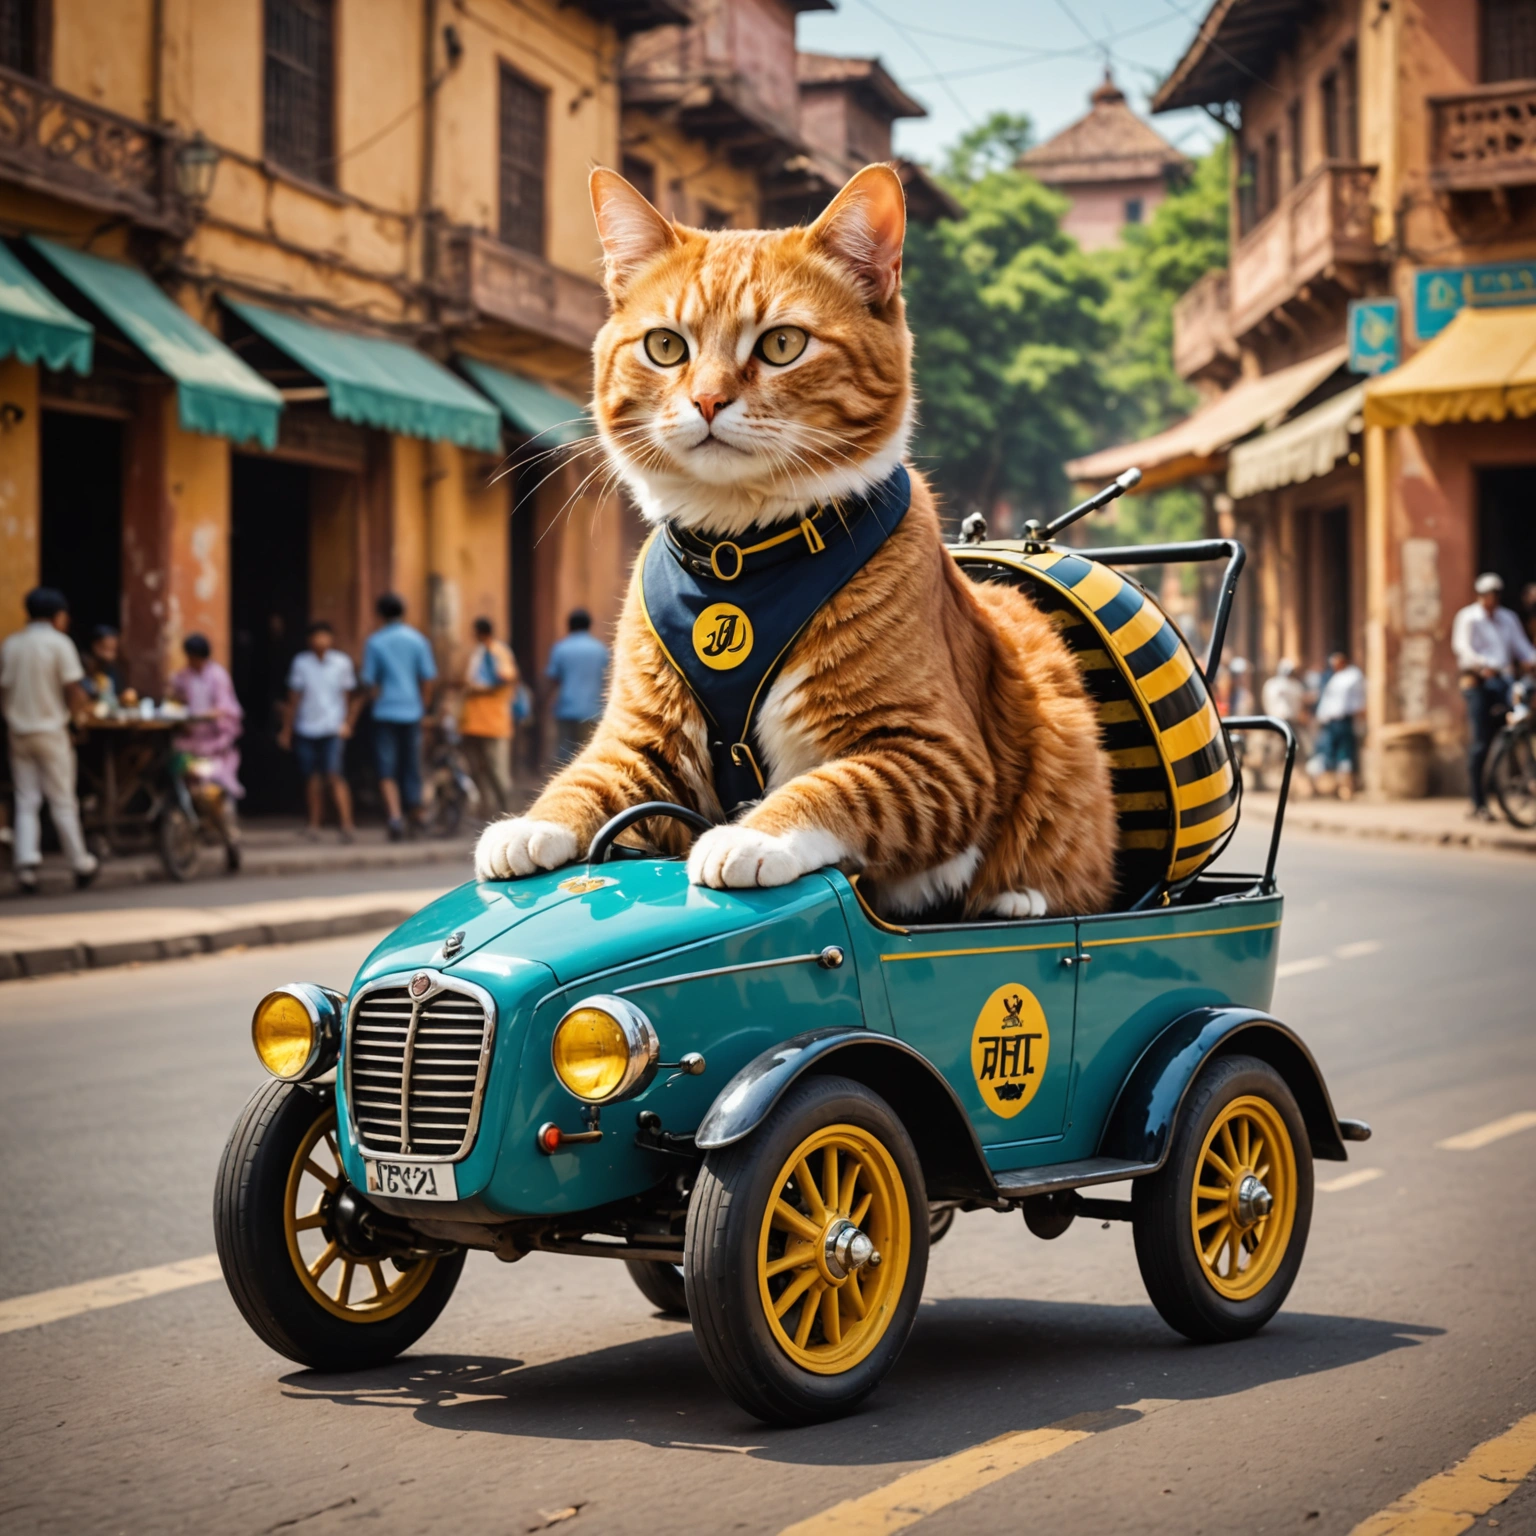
point(722, 636)
point(1009, 1049)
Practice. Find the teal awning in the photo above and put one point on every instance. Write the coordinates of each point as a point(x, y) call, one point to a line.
point(215, 392)
point(541, 413)
point(383, 384)
point(35, 326)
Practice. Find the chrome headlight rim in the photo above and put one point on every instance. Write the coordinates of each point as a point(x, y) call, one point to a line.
point(326, 1009)
point(640, 1037)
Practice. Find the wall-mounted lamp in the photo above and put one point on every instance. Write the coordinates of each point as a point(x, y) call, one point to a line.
point(11, 415)
point(196, 163)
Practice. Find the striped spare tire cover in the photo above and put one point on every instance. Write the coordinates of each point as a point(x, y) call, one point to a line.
point(1174, 782)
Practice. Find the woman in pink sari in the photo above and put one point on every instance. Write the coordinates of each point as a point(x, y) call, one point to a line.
point(206, 689)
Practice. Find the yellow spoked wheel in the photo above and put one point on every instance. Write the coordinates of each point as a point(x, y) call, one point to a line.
point(1243, 1203)
point(349, 1285)
point(834, 1247)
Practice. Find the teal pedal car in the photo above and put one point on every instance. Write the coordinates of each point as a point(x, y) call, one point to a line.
point(769, 1103)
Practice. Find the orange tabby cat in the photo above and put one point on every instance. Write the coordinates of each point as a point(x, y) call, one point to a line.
point(929, 732)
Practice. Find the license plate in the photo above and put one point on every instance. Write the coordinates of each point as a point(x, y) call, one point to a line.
point(412, 1181)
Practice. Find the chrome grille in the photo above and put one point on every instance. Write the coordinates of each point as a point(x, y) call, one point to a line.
point(416, 1070)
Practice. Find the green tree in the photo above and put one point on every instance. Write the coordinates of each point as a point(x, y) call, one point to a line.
point(1145, 275)
point(1007, 314)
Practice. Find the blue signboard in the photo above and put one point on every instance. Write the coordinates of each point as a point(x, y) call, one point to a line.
point(1440, 292)
point(1373, 336)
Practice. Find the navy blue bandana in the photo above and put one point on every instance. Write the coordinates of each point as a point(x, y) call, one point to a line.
point(727, 613)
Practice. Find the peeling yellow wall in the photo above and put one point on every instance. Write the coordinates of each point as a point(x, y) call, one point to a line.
point(20, 554)
point(104, 53)
point(197, 483)
point(378, 83)
point(408, 542)
point(211, 70)
point(564, 53)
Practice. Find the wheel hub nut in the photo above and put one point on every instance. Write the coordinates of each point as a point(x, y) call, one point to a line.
point(1254, 1201)
point(847, 1249)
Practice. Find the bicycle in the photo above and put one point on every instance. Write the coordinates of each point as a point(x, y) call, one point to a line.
point(1511, 771)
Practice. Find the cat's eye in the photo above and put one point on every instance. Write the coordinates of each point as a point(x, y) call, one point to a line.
point(665, 348)
point(782, 345)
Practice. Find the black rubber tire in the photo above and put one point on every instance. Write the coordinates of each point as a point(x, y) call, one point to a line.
point(179, 840)
point(661, 1285)
point(720, 1259)
point(1170, 1264)
point(1511, 775)
point(253, 1249)
point(940, 1220)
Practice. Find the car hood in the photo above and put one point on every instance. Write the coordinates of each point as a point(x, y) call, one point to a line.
point(567, 920)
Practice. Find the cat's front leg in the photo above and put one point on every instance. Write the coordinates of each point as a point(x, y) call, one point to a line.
point(736, 857)
point(520, 845)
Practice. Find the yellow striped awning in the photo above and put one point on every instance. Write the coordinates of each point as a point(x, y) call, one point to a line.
point(1481, 367)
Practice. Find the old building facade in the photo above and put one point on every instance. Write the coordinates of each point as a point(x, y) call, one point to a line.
point(297, 296)
point(1113, 168)
point(1368, 439)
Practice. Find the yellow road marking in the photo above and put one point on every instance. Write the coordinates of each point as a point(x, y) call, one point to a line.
point(1455, 1500)
point(1350, 1180)
point(1495, 1130)
point(112, 1291)
point(917, 1495)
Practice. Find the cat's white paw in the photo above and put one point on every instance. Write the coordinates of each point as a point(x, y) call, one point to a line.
point(732, 858)
point(519, 845)
point(1026, 903)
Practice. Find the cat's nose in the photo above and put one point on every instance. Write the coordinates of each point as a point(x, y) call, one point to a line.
point(708, 405)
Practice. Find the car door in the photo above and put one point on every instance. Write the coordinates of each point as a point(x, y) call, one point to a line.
point(993, 1007)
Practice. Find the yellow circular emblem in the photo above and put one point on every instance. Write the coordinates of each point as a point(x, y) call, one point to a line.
point(722, 636)
point(1009, 1049)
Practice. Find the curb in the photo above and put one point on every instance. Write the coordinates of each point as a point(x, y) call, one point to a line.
point(119, 874)
point(1472, 839)
point(53, 960)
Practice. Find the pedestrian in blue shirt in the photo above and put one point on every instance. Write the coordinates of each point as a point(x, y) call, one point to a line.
point(578, 664)
point(399, 671)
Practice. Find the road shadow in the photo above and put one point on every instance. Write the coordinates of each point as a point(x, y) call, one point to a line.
point(974, 1368)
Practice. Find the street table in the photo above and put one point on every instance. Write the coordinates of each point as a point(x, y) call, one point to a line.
point(125, 776)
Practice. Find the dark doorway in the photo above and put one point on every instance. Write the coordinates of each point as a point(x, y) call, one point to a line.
point(269, 611)
point(1334, 576)
point(1506, 527)
point(82, 516)
point(521, 545)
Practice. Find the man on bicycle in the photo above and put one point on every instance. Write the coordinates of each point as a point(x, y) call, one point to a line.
point(1489, 642)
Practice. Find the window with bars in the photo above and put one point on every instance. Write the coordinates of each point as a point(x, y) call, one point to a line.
point(23, 27)
point(299, 88)
point(1293, 136)
point(1509, 40)
point(1269, 191)
point(524, 134)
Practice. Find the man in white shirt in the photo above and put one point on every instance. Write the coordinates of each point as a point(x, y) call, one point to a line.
point(40, 675)
point(1490, 644)
point(1284, 697)
point(1342, 699)
point(318, 717)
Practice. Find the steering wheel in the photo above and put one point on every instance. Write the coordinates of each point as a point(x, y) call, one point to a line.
point(603, 843)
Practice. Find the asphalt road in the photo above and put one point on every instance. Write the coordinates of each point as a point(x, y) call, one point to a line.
point(549, 1396)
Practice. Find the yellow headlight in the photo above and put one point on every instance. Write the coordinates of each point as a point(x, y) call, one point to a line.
point(604, 1048)
point(283, 1034)
point(591, 1053)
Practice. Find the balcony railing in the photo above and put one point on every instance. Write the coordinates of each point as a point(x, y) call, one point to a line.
point(1322, 224)
point(480, 274)
point(1484, 139)
point(1202, 326)
point(61, 145)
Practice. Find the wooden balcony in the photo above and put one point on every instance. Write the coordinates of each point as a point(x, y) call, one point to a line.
point(493, 281)
point(1322, 231)
point(1483, 140)
point(73, 149)
point(1202, 329)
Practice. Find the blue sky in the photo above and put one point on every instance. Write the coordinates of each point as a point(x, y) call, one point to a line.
point(967, 58)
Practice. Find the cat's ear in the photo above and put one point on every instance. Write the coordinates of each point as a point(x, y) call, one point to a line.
point(631, 230)
point(864, 227)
